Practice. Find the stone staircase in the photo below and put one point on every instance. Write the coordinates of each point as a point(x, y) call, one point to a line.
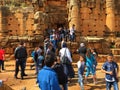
point(5, 87)
point(73, 46)
point(29, 81)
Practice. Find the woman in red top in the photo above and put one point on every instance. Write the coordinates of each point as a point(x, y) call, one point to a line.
point(2, 56)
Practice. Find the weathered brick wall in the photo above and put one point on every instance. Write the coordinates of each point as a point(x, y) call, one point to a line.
point(31, 22)
point(5, 87)
point(21, 22)
point(56, 13)
point(17, 24)
point(92, 16)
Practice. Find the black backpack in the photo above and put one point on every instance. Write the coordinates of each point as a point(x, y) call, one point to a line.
point(62, 77)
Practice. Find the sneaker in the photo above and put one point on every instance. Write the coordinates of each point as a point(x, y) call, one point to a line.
point(25, 75)
point(21, 78)
point(3, 69)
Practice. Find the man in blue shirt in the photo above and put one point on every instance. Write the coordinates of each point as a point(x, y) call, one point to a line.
point(110, 68)
point(47, 78)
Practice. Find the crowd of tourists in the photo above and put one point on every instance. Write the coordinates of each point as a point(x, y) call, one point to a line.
point(54, 69)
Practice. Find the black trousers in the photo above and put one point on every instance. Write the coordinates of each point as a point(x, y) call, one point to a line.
point(19, 62)
point(24, 65)
point(2, 64)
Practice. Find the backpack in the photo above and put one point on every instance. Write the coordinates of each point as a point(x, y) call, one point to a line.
point(62, 77)
point(65, 59)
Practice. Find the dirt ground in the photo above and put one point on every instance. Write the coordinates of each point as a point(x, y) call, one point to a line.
point(29, 81)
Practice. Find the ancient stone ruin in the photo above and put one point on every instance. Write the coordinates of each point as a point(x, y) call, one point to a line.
point(27, 20)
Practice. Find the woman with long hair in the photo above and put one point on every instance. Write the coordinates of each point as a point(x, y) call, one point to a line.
point(89, 66)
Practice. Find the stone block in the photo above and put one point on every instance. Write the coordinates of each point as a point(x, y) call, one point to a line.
point(30, 21)
point(85, 10)
point(30, 32)
point(29, 27)
point(36, 26)
point(95, 17)
point(83, 4)
point(4, 11)
point(8, 50)
point(30, 60)
point(5, 87)
point(85, 16)
point(19, 15)
point(54, 3)
point(13, 28)
point(6, 55)
point(12, 57)
point(84, 33)
point(74, 45)
point(96, 11)
point(29, 45)
point(31, 15)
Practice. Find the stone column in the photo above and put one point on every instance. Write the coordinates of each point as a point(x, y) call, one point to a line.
point(74, 12)
point(3, 20)
point(110, 18)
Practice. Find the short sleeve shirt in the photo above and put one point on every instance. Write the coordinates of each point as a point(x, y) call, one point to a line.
point(110, 66)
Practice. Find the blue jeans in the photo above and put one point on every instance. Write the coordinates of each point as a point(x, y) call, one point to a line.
point(65, 69)
point(109, 85)
point(61, 37)
point(80, 81)
point(72, 37)
point(65, 86)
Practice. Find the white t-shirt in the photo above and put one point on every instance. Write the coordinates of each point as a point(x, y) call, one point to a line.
point(79, 64)
point(72, 30)
point(66, 52)
point(1, 83)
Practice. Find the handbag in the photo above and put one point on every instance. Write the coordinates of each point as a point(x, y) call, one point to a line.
point(65, 59)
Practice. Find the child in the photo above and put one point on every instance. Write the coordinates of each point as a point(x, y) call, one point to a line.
point(81, 67)
point(90, 61)
point(95, 54)
point(110, 68)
